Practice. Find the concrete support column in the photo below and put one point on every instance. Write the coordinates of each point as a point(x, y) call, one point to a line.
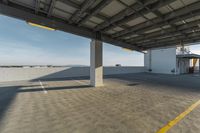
point(96, 65)
point(199, 65)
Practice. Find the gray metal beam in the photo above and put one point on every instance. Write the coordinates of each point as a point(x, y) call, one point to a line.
point(172, 43)
point(173, 35)
point(169, 39)
point(59, 25)
point(125, 19)
point(5, 1)
point(191, 26)
point(70, 3)
point(86, 4)
point(28, 6)
point(37, 6)
point(74, 5)
point(51, 8)
point(159, 21)
point(169, 31)
point(122, 14)
point(142, 15)
point(158, 14)
point(95, 10)
point(195, 13)
point(170, 34)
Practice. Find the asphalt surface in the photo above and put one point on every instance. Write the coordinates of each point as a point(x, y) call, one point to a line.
point(130, 103)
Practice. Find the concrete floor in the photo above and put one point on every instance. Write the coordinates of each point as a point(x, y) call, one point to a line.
point(131, 103)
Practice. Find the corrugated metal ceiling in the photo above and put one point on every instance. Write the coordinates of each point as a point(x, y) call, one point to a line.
point(129, 21)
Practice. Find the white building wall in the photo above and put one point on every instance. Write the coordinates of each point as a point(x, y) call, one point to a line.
point(161, 60)
point(182, 66)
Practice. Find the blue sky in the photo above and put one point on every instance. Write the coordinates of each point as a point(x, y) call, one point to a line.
point(22, 44)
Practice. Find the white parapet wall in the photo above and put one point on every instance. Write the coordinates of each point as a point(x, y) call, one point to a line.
point(18, 74)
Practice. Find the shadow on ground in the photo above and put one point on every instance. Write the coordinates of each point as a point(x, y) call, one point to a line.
point(182, 82)
point(71, 73)
point(54, 88)
point(7, 96)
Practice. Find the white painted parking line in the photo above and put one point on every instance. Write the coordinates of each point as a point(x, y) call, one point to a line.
point(45, 91)
point(81, 82)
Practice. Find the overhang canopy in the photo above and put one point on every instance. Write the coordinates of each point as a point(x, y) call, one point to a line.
point(189, 56)
point(132, 24)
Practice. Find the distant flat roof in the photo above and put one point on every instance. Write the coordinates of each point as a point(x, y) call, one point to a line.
point(133, 24)
point(188, 56)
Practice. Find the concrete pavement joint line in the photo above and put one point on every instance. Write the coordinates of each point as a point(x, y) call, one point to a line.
point(45, 91)
point(81, 82)
point(178, 118)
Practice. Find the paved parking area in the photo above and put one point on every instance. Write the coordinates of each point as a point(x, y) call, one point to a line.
point(131, 103)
